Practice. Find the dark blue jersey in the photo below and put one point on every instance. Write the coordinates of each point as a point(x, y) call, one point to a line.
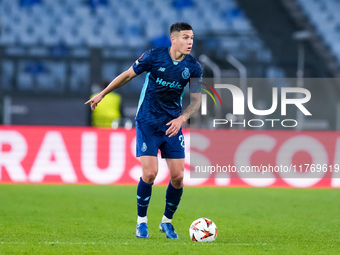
point(163, 89)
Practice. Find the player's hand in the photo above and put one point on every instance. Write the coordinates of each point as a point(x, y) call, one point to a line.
point(175, 126)
point(94, 101)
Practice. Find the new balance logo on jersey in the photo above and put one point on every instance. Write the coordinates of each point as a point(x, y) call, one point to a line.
point(174, 84)
point(161, 69)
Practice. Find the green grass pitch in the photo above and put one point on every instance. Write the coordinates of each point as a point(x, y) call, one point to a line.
point(89, 219)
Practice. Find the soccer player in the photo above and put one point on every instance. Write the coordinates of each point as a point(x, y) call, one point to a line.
point(159, 119)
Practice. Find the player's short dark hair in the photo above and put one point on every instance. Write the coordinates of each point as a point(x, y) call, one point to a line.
point(179, 26)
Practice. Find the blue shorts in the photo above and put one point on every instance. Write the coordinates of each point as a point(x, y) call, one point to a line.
point(151, 138)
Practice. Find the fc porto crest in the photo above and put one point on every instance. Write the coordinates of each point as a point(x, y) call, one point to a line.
point(186, 73)
point(144, 147)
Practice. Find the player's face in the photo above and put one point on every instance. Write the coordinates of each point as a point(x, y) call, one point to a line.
point(183, 41)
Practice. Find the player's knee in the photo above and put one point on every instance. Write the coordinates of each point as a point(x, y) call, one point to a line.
point(177, 181)
point(149, 177)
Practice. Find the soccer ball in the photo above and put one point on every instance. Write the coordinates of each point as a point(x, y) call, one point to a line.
point(203, 230)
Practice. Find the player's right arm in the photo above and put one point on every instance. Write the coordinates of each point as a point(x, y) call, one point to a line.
point(119, 81)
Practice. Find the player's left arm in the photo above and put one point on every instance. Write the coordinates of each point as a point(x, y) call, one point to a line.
point(176, 124)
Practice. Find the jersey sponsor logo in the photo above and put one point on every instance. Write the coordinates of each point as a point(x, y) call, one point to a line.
point(186, 73)
point(161, 69)
point(174, 84)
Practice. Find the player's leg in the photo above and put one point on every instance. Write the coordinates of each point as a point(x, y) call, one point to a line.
point(150, 168)
point(173, 195)
point(146, 149)
point(175, 188)
point(173, 151)
point(144, 190)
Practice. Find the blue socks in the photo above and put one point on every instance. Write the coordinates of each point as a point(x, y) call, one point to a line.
point(143, 197)
point(172, 199)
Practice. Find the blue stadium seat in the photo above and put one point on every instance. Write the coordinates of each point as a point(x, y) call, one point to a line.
point(77, 22)
point(326, 22)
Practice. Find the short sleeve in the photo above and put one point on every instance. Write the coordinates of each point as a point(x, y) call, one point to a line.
point(196, 79)
point(143, 63)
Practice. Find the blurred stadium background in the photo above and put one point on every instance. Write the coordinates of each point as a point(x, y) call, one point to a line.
point(54, 52)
